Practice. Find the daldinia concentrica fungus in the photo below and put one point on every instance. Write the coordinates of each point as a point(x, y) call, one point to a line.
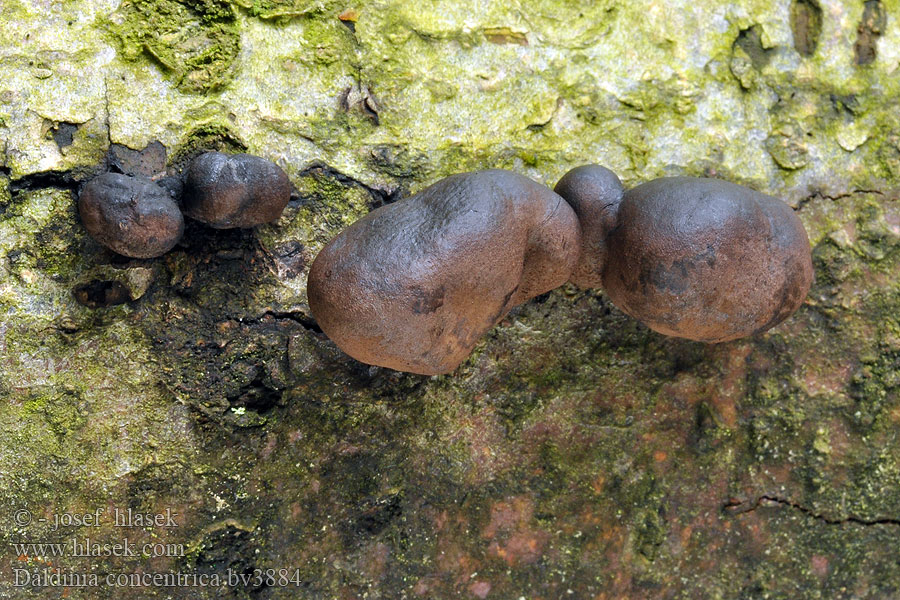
point(706, 260)
point(130, 215)
point(414, 284)
point(594, 193)
point(240, 190)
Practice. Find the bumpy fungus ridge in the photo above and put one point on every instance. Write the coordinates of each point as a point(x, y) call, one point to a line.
point(414, 285)
point(594, 192)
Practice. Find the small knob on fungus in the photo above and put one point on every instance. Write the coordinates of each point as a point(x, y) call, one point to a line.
point(228, 191)
point(130, 215)
point(413, 285)
point(594, 193)
point(706, 260)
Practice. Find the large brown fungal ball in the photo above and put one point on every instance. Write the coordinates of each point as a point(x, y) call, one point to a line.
point(239, 190)
point(707, 260)
point(413, 285)
point(594, 193)
point(130, 215)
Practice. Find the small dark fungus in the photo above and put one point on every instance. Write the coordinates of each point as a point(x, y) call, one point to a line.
point(130, 215)
point(413, 285)
point(594, 193)
point(706, 260)
point(238, 190)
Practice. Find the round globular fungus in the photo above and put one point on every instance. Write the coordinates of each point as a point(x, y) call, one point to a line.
point(240, 190)
point(594, 193)
point(130, 215)
point(706, 260)
point(414, 284)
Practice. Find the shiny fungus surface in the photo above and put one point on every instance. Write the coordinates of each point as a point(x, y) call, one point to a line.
point(706, 260)
point(415, 284)
point(228, 191)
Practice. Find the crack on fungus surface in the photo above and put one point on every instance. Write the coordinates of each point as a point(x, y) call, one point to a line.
point(738, 507)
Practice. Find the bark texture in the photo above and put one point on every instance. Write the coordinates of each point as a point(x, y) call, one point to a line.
point(575, 453)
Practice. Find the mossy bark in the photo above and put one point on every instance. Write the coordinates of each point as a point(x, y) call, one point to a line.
point(575, 454)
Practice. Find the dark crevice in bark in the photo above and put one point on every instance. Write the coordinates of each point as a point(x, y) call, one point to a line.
point(306, 321)
point(737, 507)
point(64, 133)
point(750, 41)
point(871, 28)
point(836, 197)
point(101, 294)
point(64, 180)
point(379, 196)
point(806, 25)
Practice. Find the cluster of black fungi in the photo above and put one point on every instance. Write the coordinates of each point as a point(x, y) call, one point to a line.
point(415, 284)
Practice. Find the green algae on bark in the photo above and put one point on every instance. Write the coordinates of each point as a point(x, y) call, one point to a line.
point(206, 137)
point(282, 10)
point(196, 42)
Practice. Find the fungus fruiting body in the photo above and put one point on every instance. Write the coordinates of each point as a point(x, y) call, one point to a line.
point(130, 215)
point(239, 190)
point(414, 284)
point(706, 260)
point(594, 193)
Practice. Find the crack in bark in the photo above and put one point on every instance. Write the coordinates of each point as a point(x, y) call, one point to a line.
point(106, 110)
point(835, 197)
point(738, 507)
point(63, 180)
point(379, 196)
point(304, 320)
point(69, 179)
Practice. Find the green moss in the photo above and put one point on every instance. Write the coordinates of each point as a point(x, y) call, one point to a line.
point(64, 412)
point(328, 205)
point(195, 42)
point(207, 137)
point(331, 131)
point(398, 160)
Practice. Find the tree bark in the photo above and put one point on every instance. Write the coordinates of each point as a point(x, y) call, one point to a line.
point(575, 453)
